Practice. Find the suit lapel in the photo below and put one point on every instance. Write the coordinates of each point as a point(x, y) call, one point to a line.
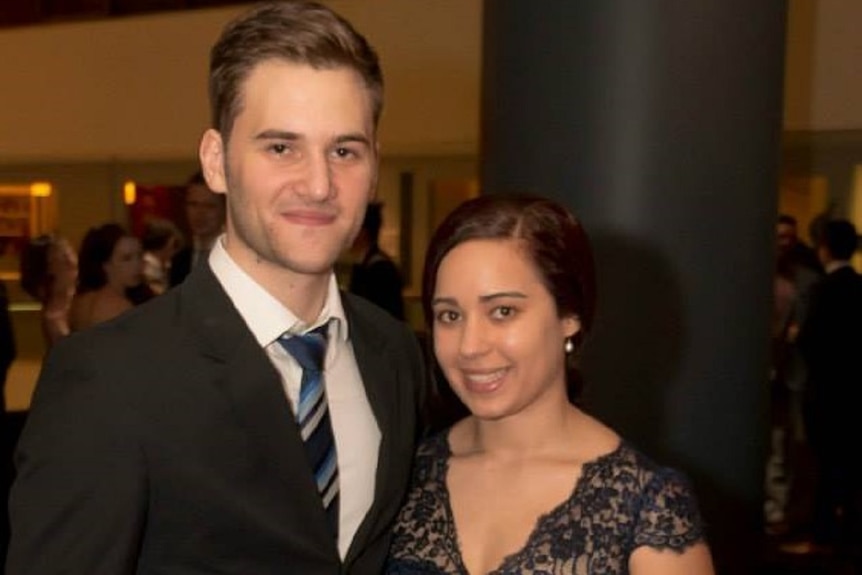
point(374, 360)
point(253, 386)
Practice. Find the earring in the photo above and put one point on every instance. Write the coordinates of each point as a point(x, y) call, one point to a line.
point(569, 347)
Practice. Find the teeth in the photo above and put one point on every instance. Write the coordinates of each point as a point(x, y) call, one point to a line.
point(481, 378)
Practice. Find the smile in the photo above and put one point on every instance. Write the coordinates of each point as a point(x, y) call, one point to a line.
point(308, 217)
point(484, 382)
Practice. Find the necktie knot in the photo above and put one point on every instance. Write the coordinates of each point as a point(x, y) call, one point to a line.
point(307, 349)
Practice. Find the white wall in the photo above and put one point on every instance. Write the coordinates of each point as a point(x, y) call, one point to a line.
point(823, 82)
point(135, 88)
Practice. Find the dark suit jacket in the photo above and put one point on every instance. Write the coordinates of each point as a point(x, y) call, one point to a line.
point(831, 341)
point(377, 279)
point(163, 443)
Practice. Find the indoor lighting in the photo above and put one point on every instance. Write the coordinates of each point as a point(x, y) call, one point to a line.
point(129, 192)
point(40, 189)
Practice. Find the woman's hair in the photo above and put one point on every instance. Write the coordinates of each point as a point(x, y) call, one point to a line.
point(553, 240)
point(158, 232)
point(35, 276)
point(96, 250)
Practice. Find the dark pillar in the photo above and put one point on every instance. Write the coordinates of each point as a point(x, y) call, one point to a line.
point(659, 124)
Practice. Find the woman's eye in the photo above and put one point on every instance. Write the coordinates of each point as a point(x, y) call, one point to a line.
point(447, 316)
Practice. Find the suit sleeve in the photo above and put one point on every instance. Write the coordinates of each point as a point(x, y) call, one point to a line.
point(78, 503)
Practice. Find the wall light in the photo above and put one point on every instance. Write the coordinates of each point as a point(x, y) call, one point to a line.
point(40, 189)
point(129, 193)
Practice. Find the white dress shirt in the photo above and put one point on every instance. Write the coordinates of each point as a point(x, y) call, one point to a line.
point(357, 435)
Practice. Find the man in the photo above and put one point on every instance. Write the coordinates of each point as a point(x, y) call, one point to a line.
point(205, 215)
point(167, 441)
point(830, 340)
point(375, 276)
point(792, 249)
point(797, 270)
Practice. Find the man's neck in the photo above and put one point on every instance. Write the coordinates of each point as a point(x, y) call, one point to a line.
point(203, 242)
point(835, 265)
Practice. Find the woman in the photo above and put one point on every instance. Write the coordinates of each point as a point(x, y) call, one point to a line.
point(110, 273)
point(528, 482)
point(49, 270)
point(160, 241)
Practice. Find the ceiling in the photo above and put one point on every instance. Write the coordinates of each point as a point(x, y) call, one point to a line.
point(32, 12)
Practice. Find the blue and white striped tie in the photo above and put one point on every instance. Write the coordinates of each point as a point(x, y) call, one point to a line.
point(312, 413)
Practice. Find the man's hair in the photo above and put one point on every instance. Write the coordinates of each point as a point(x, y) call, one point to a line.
point(839, 237)
point(298, 31)
point(787, 219)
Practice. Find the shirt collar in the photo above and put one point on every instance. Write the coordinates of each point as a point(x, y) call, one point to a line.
point(836, 265)
point(265, 316)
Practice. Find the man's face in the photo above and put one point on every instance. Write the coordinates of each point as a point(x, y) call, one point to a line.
point(299, 169)
point(205, 211)
point(786, 236)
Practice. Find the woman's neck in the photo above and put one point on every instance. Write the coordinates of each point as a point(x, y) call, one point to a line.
point(526, 434)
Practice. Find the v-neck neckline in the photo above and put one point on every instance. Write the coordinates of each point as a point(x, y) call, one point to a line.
point(588, 470)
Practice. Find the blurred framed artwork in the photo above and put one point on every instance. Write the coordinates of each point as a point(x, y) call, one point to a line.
point(26, 211)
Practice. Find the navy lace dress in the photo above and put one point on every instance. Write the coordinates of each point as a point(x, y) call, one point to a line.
point(621, 501)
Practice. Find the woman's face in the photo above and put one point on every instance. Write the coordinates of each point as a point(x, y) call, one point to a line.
point(497, 335)
point(125, 269)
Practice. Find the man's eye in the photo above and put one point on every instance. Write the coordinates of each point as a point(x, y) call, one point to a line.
point(344, 153)
point(503, 312)
point(279, 149)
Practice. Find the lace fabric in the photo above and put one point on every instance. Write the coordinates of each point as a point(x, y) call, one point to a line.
point(621, 501)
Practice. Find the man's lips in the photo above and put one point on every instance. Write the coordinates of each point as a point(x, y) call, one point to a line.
point(308, 217)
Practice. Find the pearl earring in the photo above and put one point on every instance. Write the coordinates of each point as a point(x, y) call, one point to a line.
point(569, 347)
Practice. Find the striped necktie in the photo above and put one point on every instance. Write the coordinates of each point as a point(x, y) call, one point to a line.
point(312, 413)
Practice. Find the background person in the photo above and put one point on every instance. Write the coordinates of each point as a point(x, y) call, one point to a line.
point(160, 241)
point(205, 216)
point(49, 273)
point(375, 275)
point(830, 340)
point(110, 267)
point(529, 483)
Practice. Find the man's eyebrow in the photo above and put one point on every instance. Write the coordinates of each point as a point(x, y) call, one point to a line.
point(277, 135)
point(288, 136)
point(357, 137)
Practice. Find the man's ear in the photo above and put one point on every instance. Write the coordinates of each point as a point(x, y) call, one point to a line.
point(212, 156)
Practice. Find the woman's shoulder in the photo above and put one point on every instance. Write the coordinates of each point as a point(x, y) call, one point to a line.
point(631, 468)
point(659, 500)
point(80, 310)
point(94, 307)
